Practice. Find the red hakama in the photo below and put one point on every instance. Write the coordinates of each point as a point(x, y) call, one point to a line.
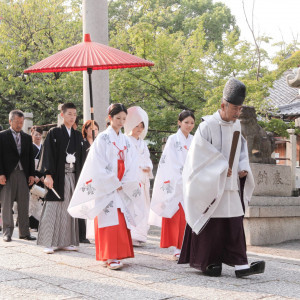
point(114, 242)
point(172, 230)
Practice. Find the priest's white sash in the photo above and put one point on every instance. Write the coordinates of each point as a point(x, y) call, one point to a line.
point(204, 178)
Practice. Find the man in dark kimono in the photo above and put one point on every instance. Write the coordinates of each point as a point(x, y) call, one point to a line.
point(213, 206)
point(61, 162)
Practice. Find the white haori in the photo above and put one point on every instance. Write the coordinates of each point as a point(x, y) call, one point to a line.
point(96, 191)
point(144, 160)
point(208, 192)
point(168, 188)
point(135, 116)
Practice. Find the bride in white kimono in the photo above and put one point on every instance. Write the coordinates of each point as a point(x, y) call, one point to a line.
point(136, 127)
point(108, 189)
point(167, 198)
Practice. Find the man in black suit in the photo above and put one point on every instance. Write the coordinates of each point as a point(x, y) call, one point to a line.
point(16, 175)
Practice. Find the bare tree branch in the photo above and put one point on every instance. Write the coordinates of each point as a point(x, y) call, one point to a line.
point(257, 46)
point(163, 92)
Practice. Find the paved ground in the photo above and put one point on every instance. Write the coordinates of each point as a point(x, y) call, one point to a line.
point(27, 273)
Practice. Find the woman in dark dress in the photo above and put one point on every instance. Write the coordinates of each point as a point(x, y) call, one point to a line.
point(87, 134)
point(87, 142)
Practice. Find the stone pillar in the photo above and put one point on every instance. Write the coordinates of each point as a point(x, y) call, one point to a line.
point(28, 122)
point(95, 22)
point(291, 153)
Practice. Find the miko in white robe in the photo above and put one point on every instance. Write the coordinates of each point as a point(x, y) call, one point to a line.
point(97, 194)
point(137, 115)
point(168, 190)
point(167, 197)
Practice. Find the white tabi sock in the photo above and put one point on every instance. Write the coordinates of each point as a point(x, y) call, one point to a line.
point(177, 251)
point(112, 260)
point(241, 267)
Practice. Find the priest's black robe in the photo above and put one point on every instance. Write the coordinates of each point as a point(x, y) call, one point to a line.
point(53, 158)
point(221, 241)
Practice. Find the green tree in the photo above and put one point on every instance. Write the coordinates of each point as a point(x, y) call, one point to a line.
point(177, 36)
point(27, 38)
point(174, 15)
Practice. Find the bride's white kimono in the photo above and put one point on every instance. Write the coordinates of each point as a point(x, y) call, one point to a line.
point(96, 192)
point(168, 189)
point(139, 233)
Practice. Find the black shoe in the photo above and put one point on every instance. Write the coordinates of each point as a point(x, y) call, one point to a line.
point(84, 241)
point(28, 238)
point(213, 270)
point(256, 267)
point(7, 238)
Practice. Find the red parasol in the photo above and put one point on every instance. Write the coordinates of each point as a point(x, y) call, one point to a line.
point(88, 56)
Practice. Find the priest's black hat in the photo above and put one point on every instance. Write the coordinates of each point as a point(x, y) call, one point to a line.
point(234, 92)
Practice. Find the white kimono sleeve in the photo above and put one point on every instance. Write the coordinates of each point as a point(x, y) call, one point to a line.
point(147, 160)
point(96, 183)
point(131, 190)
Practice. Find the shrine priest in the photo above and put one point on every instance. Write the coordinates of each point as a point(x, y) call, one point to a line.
point(61, 162)
point(214, 209)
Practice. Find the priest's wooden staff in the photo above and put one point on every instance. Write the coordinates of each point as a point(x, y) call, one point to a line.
point(235, 140)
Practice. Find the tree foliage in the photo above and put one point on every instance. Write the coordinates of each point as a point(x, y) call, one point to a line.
point(30, 31)
point(195, 46)
point(181, 37)
point(279, 127)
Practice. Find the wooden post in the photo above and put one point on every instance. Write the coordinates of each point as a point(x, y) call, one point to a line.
point(291, 148)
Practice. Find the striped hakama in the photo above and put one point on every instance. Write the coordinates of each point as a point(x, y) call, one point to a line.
point(57, 228)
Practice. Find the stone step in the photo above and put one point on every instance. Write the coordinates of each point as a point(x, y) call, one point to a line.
point(273, 211)
point(267, 231)
point(274, 201)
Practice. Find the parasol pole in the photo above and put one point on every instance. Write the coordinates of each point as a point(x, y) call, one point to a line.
point(89, 71)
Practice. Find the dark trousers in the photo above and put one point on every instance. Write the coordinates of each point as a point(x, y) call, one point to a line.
point(221, 241)
point(82, 229)
point(33, 223)
point(16, 189)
